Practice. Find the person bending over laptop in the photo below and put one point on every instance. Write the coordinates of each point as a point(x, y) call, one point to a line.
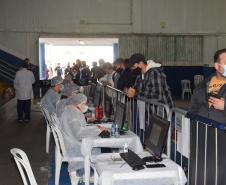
point(73, 129)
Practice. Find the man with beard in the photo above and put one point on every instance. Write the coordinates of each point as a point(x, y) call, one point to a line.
point(150, 82)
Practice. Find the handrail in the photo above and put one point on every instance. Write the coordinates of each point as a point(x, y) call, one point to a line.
point(206, 121)
point(6, 77)
point(8, 64)
point(180, 111)
point(7, 68)
point(6, 72)
point(166, 107)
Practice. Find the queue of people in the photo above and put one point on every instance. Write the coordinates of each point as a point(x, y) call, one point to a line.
point(136, 76)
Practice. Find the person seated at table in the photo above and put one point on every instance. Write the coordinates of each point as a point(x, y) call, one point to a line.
point(70, 90)
point(52, 96)
point(73, 128)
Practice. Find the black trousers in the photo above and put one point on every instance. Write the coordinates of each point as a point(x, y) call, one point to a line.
point(24, 106)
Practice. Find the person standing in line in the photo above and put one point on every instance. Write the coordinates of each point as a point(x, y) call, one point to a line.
point(58, 69)
point(24, 93)
point(208, 98)
point(151, 81)
point(124, 75)
point(68, 70)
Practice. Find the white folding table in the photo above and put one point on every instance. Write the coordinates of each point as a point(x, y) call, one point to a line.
point(132, 140)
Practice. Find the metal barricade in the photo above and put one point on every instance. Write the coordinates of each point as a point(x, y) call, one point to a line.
point(180, 141)
point(207, 151)
point(146, 106)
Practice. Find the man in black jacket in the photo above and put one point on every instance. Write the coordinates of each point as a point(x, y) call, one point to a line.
point(150, 82)
point(124, 73)
point(210, 106)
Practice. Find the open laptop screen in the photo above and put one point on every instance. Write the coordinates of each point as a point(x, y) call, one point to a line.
point(155, 139)
point(120, 113)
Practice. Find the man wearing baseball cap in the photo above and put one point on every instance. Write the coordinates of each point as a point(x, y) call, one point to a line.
point(151, 81)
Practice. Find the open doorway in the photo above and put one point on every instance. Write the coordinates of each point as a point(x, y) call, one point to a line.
point(64, 52)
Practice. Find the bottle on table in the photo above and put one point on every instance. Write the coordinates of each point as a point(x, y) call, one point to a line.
point(96, 112)
point(117, 133)
point(100, 112)
point(126, 126)
point(112, 129)
point(81, 90)
point(125, 148)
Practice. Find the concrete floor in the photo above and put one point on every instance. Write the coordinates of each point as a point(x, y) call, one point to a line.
point(30, 137)
point(181, 103)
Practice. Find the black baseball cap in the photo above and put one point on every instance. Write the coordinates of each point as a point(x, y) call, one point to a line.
point(136, 58)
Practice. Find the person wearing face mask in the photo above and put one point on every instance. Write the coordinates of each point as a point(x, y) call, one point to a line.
point(124, 75)
point(85, 71)
point(53, 94)
point(150, 82)
point(73, 128)
point(210, 106)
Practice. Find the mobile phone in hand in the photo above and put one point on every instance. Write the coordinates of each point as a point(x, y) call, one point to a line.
point(214, 95)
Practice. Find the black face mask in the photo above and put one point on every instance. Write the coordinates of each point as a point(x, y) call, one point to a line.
point(119, 70)
point(137, 71)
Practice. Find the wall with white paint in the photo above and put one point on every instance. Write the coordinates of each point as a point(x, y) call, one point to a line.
point(23, 22)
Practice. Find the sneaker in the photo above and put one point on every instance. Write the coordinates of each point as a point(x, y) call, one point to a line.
point(20, 120)
point(74, 178)
point(27, 120)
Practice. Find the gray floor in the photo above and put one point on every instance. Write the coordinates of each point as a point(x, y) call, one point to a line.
point(181, 103)
point(30, 137)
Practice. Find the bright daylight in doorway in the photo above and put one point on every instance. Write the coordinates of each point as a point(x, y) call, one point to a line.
point(66, 52)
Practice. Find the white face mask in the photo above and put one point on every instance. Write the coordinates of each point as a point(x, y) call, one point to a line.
point(223, 73)
point(85, 109)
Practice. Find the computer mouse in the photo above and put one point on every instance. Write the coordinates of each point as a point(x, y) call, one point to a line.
point(138, 167)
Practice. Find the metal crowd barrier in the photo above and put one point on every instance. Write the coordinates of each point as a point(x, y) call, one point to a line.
point(207, 151)
point(198, 140)
point(180, 140)
point(132, 112)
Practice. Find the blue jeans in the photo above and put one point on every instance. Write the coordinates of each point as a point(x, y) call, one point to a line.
point(24, 106)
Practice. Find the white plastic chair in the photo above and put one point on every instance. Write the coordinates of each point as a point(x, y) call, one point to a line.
point(23, 164)
point(60, 150)
point(198, 79)
point(48, 130)
point(186, 87)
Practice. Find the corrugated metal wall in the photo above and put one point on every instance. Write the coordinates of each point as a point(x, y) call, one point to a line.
point(170, 50)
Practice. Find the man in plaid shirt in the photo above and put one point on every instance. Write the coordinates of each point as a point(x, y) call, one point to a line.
point(151, 81)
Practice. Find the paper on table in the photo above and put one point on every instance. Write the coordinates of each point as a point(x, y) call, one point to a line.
point(105, 158)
